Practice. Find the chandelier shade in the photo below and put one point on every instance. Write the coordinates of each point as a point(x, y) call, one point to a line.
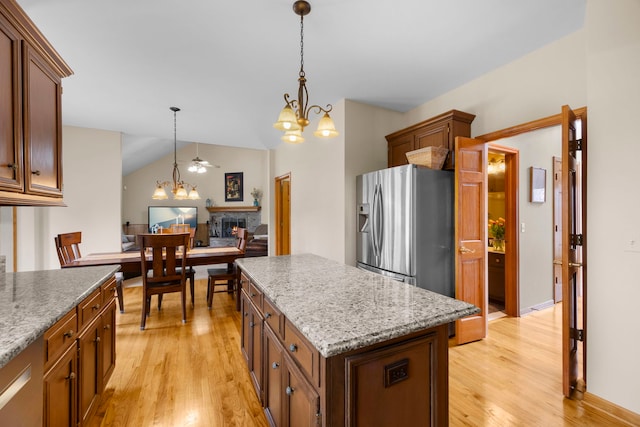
point(294, 117)
point(177, 185)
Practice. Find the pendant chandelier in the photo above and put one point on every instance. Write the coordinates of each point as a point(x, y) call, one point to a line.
point(177, 185)
point(294, 117)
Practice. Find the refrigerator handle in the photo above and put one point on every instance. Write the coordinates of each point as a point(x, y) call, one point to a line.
point(374, 223)
point(377, 222)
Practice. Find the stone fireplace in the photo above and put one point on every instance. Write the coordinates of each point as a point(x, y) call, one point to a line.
point(223, 219)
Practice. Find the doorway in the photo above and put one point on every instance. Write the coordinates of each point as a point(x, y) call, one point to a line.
point(283, 214)
point(503, 242)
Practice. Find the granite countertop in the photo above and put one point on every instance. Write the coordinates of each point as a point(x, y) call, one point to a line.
point(31, 302)
point(339, 308)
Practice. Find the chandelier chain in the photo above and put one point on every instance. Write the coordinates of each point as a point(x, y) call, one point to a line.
point(301, 46)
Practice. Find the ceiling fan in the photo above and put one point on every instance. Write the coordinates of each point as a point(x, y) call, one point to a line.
point(198, 165)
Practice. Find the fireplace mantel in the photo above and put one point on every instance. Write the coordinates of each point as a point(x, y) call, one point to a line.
point(214, 209)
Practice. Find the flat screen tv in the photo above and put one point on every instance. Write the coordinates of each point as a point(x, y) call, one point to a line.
point(164, 216)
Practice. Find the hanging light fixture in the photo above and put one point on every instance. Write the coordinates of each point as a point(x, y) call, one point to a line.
point(197, 164)
point(177, 186)
point(294, 117)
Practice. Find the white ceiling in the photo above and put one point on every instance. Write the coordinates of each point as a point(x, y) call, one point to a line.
point(227, 64)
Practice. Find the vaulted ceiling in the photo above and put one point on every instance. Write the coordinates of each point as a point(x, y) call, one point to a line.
point(227, 64)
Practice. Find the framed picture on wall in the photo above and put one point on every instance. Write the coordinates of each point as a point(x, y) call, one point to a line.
point(537, 185)
point(233, 190)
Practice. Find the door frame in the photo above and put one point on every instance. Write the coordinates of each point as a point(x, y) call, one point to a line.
point(512, 236)
point(282, 215)
point(557, 120)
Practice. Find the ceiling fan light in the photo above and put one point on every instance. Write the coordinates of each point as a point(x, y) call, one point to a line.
point(287, 120)
point(193, 168)
point(326, 128)
point(293, 137)
point(201, 169)
point(159, 193)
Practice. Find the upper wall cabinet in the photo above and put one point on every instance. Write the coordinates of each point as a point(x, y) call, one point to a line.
point(30, 112)
point(439, 131)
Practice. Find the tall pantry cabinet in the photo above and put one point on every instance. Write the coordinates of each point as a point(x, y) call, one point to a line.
point(30, 112)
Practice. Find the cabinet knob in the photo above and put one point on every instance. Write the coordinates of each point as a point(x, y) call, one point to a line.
point(97, 339)
point(107, 326)
point(96, 307)
point(69, 333)
point(293, 348)
point(251, 324)
point(252, 295)
point(289, 391)
point(36, 173)
point(275, 365)
point(72, 376)
point(12, 166)
point(267, 315)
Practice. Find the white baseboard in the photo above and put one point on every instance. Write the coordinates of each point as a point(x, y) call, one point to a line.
point(537, 307)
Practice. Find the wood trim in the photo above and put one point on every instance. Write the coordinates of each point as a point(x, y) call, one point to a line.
point(214, 209)
point(34, 37)
point(8, 198)
point(460, 116)
point(545, 122)
point(611, 409)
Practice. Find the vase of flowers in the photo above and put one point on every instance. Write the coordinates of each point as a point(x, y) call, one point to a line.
point(257, 195)
point(496, 231)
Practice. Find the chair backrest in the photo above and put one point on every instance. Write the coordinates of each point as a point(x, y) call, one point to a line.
point(166, 252)
point(68, 247)
point(179, 228)
point(242, 235)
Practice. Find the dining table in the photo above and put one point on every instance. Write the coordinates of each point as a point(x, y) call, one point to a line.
point(130, 262)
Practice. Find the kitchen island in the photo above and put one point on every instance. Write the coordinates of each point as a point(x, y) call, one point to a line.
point(328, 344)
point(45, 316)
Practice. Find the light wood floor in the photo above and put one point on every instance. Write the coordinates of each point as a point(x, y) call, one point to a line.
point(175, 374)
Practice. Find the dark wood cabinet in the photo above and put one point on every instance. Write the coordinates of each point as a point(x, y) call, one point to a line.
point(30, 112)
point(495, 262)
point(273, 390)
point(252, 331)
point(79, 354)
point(439, 131)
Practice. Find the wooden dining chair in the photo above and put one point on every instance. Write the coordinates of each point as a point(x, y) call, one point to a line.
point(68, 249)
point(227, 274)
point(185, 228)
point(164, 271)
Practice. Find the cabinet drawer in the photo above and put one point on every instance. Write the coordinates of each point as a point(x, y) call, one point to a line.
point(302, 352)
point(59, 337)
point(89, 308)
point(495, 260)
point(256, 295)
point(108, 291)
point(273, 317)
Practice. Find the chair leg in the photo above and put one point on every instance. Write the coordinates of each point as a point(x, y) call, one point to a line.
point(209, 293)
point(120, 296)
point(159, 302)
point(183, 295)
point(191, 278)
point(145, 307)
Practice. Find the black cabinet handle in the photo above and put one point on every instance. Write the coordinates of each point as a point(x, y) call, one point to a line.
point(36, 172)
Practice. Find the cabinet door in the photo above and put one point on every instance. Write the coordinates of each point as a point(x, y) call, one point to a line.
point(10, 109)
point(256, 326)
point(60, 391)
point(436, 135)
point(42, 126)
point(245, 338)
point(89, 369)
point(108, 342)
point(397, 150)
point(273, 391)
point(302, 402)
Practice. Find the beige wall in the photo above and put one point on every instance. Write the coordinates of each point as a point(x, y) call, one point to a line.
point(536, 242)
point(139, 185)
point(92, 176)
point(613, 67)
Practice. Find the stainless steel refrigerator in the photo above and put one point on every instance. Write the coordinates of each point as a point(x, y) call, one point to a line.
point(405, 226)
